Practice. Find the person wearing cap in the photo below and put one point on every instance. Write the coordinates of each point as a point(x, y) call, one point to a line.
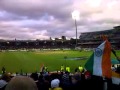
point(55, 85)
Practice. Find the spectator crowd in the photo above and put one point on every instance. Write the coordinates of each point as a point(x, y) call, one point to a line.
point(81, 79)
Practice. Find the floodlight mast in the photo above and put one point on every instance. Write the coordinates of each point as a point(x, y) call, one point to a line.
point(75, 16)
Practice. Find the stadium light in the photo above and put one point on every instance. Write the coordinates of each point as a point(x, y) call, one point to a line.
point(75, 16)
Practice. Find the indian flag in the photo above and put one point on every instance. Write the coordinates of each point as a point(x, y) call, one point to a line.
point(99, 63)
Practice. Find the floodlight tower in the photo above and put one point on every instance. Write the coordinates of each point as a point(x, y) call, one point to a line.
point(75, 16)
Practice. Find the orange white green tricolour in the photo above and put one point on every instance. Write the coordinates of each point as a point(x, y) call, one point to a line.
point(99, 63)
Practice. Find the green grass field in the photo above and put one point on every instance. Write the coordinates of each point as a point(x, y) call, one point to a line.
point(32, 61)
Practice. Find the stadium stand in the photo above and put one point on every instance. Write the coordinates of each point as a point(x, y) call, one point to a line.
point(93, 39)
point(86, 40)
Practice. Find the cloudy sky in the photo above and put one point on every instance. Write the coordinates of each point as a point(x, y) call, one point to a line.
point(42, 19)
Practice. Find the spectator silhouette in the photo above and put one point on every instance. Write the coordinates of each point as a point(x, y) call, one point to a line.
point(21, 83)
